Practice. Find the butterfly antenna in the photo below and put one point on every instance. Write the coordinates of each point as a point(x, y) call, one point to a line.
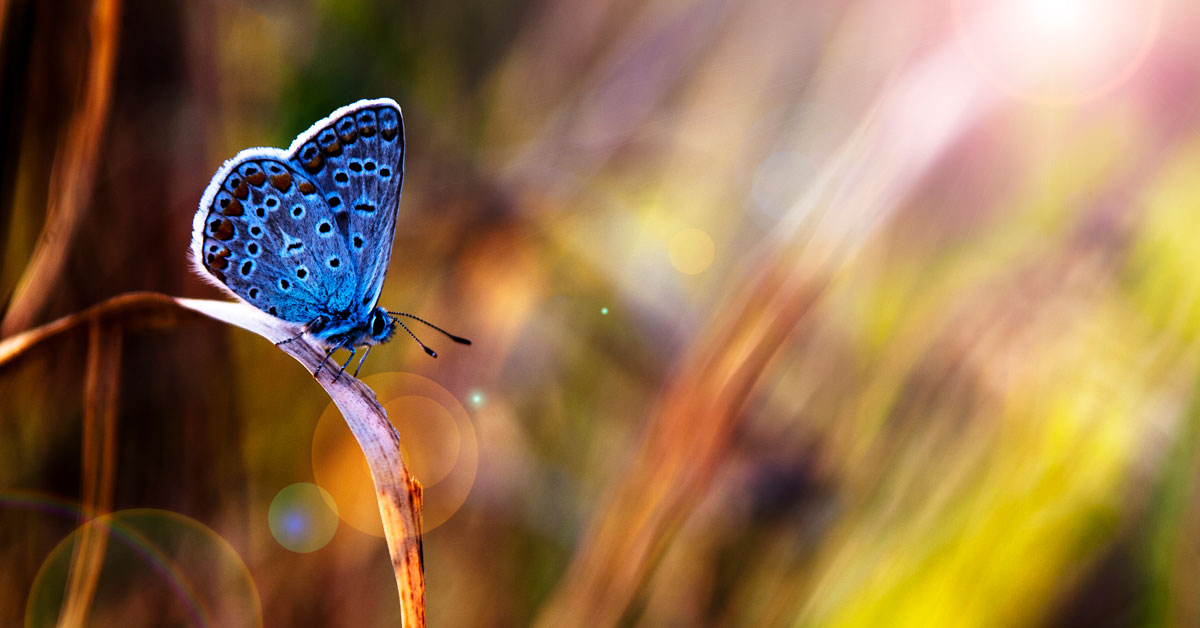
point(459, 339)
point(431, 352)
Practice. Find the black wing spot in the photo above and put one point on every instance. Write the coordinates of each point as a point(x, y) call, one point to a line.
point(301, 272)
point(224, 202)
point(358, 242)
point(234, 182)
point(341, 177)
point(365, 207)
point(297, 211)
point(271, 202)
point(212, 248)
point(255, 230)
point(247, 266)
point(275, 169)
point(285, 285)
point(334, 262)
point(294, 246)
point(260, 212)
point(252, 248)
point(271, 311)
point(369, 165)
point(356, 166)
point(334, 201)
point(324, 227)
point(384, 172)
point(253, 293)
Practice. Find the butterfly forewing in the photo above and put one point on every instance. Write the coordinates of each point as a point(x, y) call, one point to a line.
point(356, 158)
point(271, 238)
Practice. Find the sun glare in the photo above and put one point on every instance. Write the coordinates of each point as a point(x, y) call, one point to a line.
point(1058, 50)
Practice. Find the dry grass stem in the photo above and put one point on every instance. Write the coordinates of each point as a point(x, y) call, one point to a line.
point(398, 493)
point(73, 175)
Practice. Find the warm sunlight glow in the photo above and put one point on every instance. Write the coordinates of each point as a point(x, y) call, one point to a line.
point(1058, 50)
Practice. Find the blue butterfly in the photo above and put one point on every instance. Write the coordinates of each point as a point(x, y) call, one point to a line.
point(305, 234)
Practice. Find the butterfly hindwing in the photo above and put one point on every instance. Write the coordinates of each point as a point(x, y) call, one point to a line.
point(356, 158)
point(270, 238)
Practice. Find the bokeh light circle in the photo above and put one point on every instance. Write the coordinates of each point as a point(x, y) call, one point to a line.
point(1057, 51)
point(691, 251)
point(437, 440)
point(303, 517)
point(156, 568)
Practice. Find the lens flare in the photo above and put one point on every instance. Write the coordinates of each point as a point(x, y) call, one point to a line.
point(154, 559)
point(1058, 51)
point(437, 440)
point(691, 251)
point(303, 517)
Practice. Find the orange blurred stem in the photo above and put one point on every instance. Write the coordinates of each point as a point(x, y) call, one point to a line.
point(398, 493)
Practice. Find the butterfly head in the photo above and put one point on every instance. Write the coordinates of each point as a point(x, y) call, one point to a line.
point(380, 325)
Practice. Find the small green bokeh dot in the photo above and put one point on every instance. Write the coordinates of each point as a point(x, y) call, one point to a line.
point(303, 517)
point(604, 311)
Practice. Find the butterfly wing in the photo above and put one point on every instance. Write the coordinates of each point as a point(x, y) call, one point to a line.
point(356, 158)
point(265, 233)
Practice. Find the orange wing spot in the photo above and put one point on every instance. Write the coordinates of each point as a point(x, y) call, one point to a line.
point(334, 149)
point(257, 179)
point(306, 187)
point(242, 191)
point(388, 134)
point(224, 230)
point(233, 208)
point(218, 263)
point(282, 182)
point(314, 165)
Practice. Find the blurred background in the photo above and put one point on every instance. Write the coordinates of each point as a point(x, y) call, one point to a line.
point(785, 312)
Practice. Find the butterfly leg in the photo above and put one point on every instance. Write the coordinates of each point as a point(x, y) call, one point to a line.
point(284, 342)
point(322, 364)
point(312, 327)
point(361, 360)
point(345, 364)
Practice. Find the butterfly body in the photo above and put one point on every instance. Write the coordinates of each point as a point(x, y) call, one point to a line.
point(305, 234)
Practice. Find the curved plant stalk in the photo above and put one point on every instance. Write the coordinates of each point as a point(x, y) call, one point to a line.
point(398, 493)
point(73, 174)
point(99, 463)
